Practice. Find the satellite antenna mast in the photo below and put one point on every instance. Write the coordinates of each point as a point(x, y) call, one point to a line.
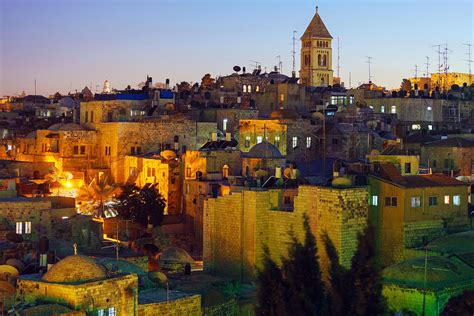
point(280, 64)
point(293, 53)
point(427, 74)
point(350, 80)
point(369, 61)
point(257, 63)
point(439, 62)
point(469, 61)
point(416, 72)
point(338, 57)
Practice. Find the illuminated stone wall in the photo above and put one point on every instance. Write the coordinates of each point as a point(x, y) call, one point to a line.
point(236, 226)
point(462, 156)
point(188, 305)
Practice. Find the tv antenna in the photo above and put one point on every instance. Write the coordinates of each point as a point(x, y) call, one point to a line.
point(369, 61)
point(469, 61)
point(256, 63)
point(416, 72)
point(427, 64)
point(293, 52)
point(439, 62)
point(280, 64)
point(338, 57)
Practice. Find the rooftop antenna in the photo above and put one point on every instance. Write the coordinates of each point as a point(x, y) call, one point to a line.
point(280, 64)
point(427, 74)
point(257, 63)
point(338, 57)
point(446, 52)
point(34, 99)
point(416, 72)
point(439, 62)
point(469, 60)
point(293, 53)
point(350, 79)
point(369, 61)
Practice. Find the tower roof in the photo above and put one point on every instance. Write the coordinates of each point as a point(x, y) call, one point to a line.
point(316, 28)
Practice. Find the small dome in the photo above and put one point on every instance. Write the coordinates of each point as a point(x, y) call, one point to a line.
point(66, 127)
point(168, 154)
point(176, 255)
point(75, 268)
point(284, 114)
point(264, 150)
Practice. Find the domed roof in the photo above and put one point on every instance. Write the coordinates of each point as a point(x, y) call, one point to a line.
point(75, 268)
point(441, 272)
point(175, 254)
point(66, 127)
point(264, 150)
point(284, 114)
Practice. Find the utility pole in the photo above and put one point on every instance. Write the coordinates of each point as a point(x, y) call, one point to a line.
point(469, 61)
point(293, 53)
point(369, 61)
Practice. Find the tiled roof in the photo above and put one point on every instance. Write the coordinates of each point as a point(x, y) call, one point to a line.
point(316, 28)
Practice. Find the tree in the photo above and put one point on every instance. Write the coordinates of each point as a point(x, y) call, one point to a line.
point(138, 204)
point(184, 86)
point(406, 85)
point(305, 294)
point(270, 287)
point(94, 197)
point(460, 305)
point(365, 277)
point(207, 82)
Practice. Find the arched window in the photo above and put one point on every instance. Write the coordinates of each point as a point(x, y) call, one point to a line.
point(324, 60)
point(244, 88)
point(319, 59)
point(257, 89)
point(249, 88)
point(225, 171)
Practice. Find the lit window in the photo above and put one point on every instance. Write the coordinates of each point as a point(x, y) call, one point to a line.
point(308, 142)
point(415, 126)
point(188, 171)
point(27, 227)
point(375, 200)
point(249, 88)
point(277, 141)
point(294, 142)
point(111, 311)
point(415, 201)
point(382, 109)
point(433, 201)
point(456, 199)
point(101, 312)
point(247, 141)
point(394, 109)
point(225, 171)
point(19, 228)
point(446, 199)
point(257, 89)
point(259, 139)
point(282, 97)
point(430, 127)
point(244, 88)
point(429, 108)
point(224, 124)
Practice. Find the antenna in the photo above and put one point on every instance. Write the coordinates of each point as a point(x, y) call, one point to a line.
point(439, 62)
point(427, 74)
point(34, 99)
point(416, 72)
point(293, 52)
point(257, 63)
point(469, 61)
point(446, 51)
point(369, 61)
point(338, 57)
point(350, 79)
point(280, 64)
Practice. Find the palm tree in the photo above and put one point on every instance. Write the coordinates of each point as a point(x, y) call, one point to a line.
point(94, 197)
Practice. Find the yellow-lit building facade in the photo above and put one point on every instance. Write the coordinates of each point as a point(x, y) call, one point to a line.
point(442, 80)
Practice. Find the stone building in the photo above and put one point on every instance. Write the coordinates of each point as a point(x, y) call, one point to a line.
point(263, 156)
point(239, 224)
point(408, 211)
point(316, 54)
point(443, 80)
point(452, 156)
point(227, 118)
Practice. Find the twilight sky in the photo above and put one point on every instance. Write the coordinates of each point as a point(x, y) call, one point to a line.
point(68, 44)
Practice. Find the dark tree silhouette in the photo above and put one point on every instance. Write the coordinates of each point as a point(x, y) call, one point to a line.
point(460, 305)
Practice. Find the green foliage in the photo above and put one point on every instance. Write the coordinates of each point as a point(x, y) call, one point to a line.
point(93, 198)
point(139, 204)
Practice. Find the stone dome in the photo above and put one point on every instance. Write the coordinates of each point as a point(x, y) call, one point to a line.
point(284, 114)
point(75, 268)
point(176, 255)
point(66, 127)
point(264, 150)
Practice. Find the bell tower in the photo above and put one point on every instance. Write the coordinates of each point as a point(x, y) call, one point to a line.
point(316, 54)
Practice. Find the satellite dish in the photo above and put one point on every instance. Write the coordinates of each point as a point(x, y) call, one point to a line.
point(158, 277)
point(14, 237)
point(170, 106)
point(236, 68)
point(287, 173)
point(7, 272)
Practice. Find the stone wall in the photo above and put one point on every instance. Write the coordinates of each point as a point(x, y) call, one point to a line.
point(188, 305)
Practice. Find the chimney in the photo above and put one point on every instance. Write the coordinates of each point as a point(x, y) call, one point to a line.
point(167, 83)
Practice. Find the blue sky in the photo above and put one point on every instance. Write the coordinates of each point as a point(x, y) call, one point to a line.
point(67, 44)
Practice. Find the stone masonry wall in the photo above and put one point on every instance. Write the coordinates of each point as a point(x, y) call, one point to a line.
point(189, 305)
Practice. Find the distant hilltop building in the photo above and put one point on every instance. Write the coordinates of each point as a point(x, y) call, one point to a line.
point(316, 54)
point(106, 87)
point(442, 80)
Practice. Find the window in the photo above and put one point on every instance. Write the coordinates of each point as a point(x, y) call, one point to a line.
point(308, 142)
point(27, 227)
point(382, 109)
point(282, 97)
point(416, 126)
point(390, 201)
point(432, 201)
point(407, 167)
point(92, 116)
point(446, 199)
point(429, 108)
point(375, 200)
point(449, 163)
point(101, 312)
point(148, 172)
point(244, 89)
point(111, 311)
point(107, 150)
point(335, 141)
point(415, 201)
point(139, 150)
point(294, 142)
point(393, 109)
point(430, 127)
point(19, 228)
point(277, 141)
point(259, 139)
point(87, 117)
point(257, 88)
point(433, 163)
point(224, 124)
point(76, 150)
point(188, 172)
point(83, 150)
point(225, 171)
point(456, 199)
point(132, 151)
point(247, 141)
point(249, 88)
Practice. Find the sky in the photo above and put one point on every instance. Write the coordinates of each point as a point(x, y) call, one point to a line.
point(68, 44)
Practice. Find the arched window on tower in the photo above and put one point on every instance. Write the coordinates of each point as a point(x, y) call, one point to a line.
point(249, 88)
point(319, 59)
point(324, 60)
point(244, 89)
point(225, 171)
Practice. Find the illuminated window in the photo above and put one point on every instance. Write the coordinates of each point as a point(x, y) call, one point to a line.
point(259, 139)
point(382, 109)
point(456, 199)
point(415, 126)
point(111, 311)
point(282, 97)
point(294, 142)
point(257, 89)
point(249, 88)
point(101, 312)
point(432, 201)
point(375, 200)
point(446, 199)
point(188, 172)
point(277, 141)
point(308, 142)
point(19, 228)
point(244, 88)
point(27, 227)
point(430, 127)
point(394, 109)
point(225, 171)
point(415, 201)
point(247, 141)
point(224, 124)
point(429, 108)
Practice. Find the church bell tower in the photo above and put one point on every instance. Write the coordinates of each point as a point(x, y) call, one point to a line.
point(316, 54)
